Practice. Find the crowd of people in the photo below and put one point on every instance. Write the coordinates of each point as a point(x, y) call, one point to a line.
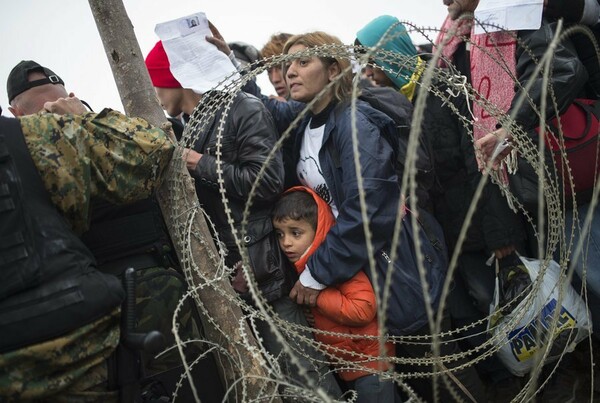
point(78, 207)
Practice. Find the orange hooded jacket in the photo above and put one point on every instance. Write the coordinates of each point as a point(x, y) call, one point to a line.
point(349, 308)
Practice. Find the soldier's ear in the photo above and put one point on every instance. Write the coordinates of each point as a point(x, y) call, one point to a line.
point(14, 111)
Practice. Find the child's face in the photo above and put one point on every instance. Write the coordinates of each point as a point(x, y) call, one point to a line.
point(295, 237)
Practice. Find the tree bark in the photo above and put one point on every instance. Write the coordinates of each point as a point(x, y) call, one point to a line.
point(178, 202)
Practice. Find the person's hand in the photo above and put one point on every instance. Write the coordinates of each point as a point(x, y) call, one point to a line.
point(191, 158)
point(62, 106)
point(486, 146)
point(217, 39)
point(238, 282)
point(504, 251)
point(303, 295)
point(310, 318)
point(278, 98)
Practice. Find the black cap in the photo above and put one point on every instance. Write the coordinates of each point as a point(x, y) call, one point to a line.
point(18, 82)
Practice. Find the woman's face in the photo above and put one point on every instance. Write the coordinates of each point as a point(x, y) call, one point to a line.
point(378, 76)
point(307, 76)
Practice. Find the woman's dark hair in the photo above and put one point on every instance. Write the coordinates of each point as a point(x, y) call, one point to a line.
point(297, 205)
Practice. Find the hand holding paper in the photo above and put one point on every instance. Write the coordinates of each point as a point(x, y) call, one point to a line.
point(195, 63)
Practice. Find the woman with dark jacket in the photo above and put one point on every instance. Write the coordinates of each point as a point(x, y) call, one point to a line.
point(322, 156)
point(494, 228)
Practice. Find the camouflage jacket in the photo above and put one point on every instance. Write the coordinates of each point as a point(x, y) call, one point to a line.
point(109, 156)
point(105, 154)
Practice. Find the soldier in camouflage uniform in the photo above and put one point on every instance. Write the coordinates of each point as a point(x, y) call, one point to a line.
point(56, 350)
point(122, 236)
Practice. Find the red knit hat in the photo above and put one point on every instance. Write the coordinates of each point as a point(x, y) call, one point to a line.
point(158, 64)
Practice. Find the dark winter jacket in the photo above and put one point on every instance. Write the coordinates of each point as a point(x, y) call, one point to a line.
point(568, 75)
point(344, 251)
point(575, 73)
point(494, 224)
point(248, 136)
point(577, 11)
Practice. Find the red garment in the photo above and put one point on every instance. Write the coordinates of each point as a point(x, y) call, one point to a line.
point(451, 35)
point(493, 70)
point(348, 308)
point(158, 66)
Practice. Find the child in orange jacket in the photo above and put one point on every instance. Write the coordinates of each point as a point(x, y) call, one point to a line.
point(302, 219)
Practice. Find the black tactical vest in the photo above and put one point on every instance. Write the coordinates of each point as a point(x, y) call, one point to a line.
point(49, 285)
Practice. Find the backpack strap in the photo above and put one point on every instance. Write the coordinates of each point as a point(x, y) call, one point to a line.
point(591, 109)
point(595, 109)
point(429, 232)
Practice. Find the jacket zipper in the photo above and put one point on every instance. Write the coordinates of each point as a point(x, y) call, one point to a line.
point(387, 258)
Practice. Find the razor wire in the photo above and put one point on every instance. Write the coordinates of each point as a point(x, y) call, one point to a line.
point(549, 229)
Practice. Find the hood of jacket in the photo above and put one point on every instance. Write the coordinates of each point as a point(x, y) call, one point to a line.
point(396, 40)
point(325, 220)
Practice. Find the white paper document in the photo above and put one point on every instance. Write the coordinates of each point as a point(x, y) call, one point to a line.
point(195, 63)
point(511, 15)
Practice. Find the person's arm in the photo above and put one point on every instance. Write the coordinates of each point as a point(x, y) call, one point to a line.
point(344, 251)
point(578, 11)
point(255, 138)
point(106, 155)
point(351, 303)
point(568, 77)
point(220, 43)
point(502, 228)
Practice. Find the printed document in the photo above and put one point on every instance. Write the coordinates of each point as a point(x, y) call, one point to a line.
point(195, 63)
point(511, 15)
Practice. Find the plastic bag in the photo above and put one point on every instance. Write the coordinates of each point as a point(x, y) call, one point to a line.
point(519, 345)
point(513, 284)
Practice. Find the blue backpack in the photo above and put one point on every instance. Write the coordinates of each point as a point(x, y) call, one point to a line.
point(396, 106)
point(406, 311)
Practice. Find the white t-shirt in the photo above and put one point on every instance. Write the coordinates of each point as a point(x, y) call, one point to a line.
point(309, 169)
point(310, 174)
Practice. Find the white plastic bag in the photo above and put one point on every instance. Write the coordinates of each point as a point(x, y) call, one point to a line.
point(519, 345)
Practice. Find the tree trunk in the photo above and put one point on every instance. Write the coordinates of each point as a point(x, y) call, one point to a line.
point(179, 204)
